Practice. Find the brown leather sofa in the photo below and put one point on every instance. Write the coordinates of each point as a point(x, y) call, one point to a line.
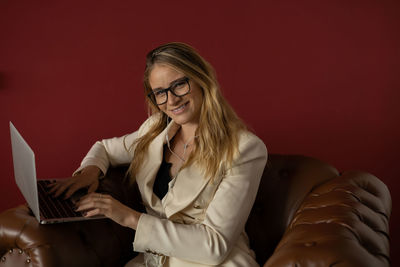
point(306, 214)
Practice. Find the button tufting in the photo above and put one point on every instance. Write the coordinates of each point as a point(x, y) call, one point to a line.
point(10, 251)
point(310, 244)
point(3, 259)
point(28, 261)
point(20, 251)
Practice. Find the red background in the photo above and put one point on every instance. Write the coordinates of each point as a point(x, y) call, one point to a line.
point(318, 78)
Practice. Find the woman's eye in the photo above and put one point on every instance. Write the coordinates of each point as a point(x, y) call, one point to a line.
point(158, 93)
point(179, 84)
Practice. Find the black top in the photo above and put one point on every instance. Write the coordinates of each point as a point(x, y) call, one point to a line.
point(160, 187)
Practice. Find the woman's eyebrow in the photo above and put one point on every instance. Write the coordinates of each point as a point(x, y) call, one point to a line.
point(170, 84)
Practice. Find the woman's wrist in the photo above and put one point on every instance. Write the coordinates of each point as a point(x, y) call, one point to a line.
point(92, 171)
point(133, 220)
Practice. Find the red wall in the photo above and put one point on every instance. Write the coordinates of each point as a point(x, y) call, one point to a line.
point(319, 78)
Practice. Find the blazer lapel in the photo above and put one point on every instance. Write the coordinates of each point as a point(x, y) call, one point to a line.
point(150, 166)
point(186, 188)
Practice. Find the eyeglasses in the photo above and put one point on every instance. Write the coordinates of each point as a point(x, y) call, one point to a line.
point(178, 88)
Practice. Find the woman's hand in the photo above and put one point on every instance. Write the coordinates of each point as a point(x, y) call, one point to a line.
point(87, 178)
point(98, 204)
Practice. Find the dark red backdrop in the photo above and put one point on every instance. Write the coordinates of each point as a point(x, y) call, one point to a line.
point(319, 78)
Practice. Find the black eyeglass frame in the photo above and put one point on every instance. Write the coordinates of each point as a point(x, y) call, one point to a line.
point(171, 89)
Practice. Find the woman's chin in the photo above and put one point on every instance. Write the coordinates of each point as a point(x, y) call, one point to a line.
point(180, 121)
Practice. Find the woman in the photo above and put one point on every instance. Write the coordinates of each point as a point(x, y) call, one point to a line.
point(196, 166)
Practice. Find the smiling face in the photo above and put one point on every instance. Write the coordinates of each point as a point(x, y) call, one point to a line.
point(184, 110)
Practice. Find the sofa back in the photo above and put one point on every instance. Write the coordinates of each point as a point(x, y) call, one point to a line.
point(286, 181)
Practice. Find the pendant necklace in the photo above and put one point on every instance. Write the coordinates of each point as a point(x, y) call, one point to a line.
point(185, 146)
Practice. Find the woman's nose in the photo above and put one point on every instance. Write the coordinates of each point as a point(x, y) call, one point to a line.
point(172, 99)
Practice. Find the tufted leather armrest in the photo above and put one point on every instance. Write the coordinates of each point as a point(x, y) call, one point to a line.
point(24, 242)
point(343, 222)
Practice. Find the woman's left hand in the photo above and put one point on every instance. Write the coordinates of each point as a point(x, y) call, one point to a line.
point(100, 204)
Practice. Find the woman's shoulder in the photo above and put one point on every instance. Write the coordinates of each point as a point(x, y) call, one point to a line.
point(248, 141)
point(246, 136)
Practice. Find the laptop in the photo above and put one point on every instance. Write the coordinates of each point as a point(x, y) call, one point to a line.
point(46, 208)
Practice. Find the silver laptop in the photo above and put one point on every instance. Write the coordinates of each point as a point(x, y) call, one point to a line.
point(45, 207)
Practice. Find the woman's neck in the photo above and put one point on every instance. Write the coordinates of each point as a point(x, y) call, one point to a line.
point(187, 132)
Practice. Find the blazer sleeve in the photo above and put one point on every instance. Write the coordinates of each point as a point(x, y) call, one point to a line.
point(114, 151)
point(211, 241)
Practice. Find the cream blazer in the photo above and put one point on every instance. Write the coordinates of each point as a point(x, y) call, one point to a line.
point(199, 222)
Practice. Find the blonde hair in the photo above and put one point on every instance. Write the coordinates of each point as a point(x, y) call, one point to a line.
point(219, 126)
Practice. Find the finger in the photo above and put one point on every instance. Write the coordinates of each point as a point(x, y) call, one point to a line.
point(94, 200)
point(60, 190)
point(93, 212)
point(89, 199)
point(71, 190)
point(51, 184)
point(84, 200)
point(63, 186)
point(93, 196)
point(54, 188)
point(86, 205)
point(90, 205)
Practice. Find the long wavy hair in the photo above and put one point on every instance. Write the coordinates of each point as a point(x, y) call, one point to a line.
point(219, 126)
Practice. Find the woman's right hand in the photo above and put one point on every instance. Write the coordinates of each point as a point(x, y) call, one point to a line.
point(87, 178)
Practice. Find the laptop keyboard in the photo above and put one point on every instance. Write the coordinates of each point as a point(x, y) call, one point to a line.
point(52, 207)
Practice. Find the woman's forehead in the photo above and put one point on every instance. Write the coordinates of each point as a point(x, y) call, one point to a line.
point(162, 75)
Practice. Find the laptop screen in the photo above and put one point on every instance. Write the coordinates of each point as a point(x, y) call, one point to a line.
point(25, 170)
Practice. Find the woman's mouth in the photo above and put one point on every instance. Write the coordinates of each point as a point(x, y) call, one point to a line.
point(179, 109)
